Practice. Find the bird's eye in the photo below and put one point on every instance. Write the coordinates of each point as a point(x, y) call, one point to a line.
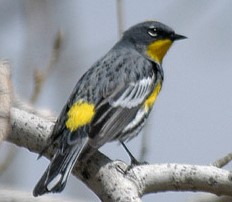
point(153, 32)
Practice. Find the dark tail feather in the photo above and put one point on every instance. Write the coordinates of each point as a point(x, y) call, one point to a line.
point(55, 177)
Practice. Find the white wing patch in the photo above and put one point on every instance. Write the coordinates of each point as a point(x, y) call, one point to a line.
point(138, 118)
point(134, 94)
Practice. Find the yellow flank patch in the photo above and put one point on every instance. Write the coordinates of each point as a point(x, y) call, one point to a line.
point(151, 99)
point(158, 49)
point(80, 114)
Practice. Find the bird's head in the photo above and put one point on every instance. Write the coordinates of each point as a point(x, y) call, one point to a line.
point(152, 39)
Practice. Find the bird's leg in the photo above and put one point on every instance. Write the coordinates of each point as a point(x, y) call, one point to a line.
point(134, 161)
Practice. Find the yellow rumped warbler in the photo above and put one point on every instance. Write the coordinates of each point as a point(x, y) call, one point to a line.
point(111, 101)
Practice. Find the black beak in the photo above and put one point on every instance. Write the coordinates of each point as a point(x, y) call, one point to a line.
point(175, 37)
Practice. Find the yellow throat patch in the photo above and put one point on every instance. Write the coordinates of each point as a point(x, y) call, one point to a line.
point(158, 49)
point(80, 114)
point(151, 99)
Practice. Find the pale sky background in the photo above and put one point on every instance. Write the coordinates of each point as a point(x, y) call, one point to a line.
point(192, 118)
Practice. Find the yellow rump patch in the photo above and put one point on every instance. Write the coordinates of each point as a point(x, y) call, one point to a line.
point(80, 114)
point(151, 99)
point(158, 49)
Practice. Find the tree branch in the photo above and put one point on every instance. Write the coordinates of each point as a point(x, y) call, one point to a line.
point(106, 177)
point(5, 99)
point(211, 198)
point(8, 195)
point(219, 163)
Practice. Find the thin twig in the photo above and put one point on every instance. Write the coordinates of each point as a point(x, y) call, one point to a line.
point(120, 17)
point(41, 75)
point(144, 146)
point(223, 161)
